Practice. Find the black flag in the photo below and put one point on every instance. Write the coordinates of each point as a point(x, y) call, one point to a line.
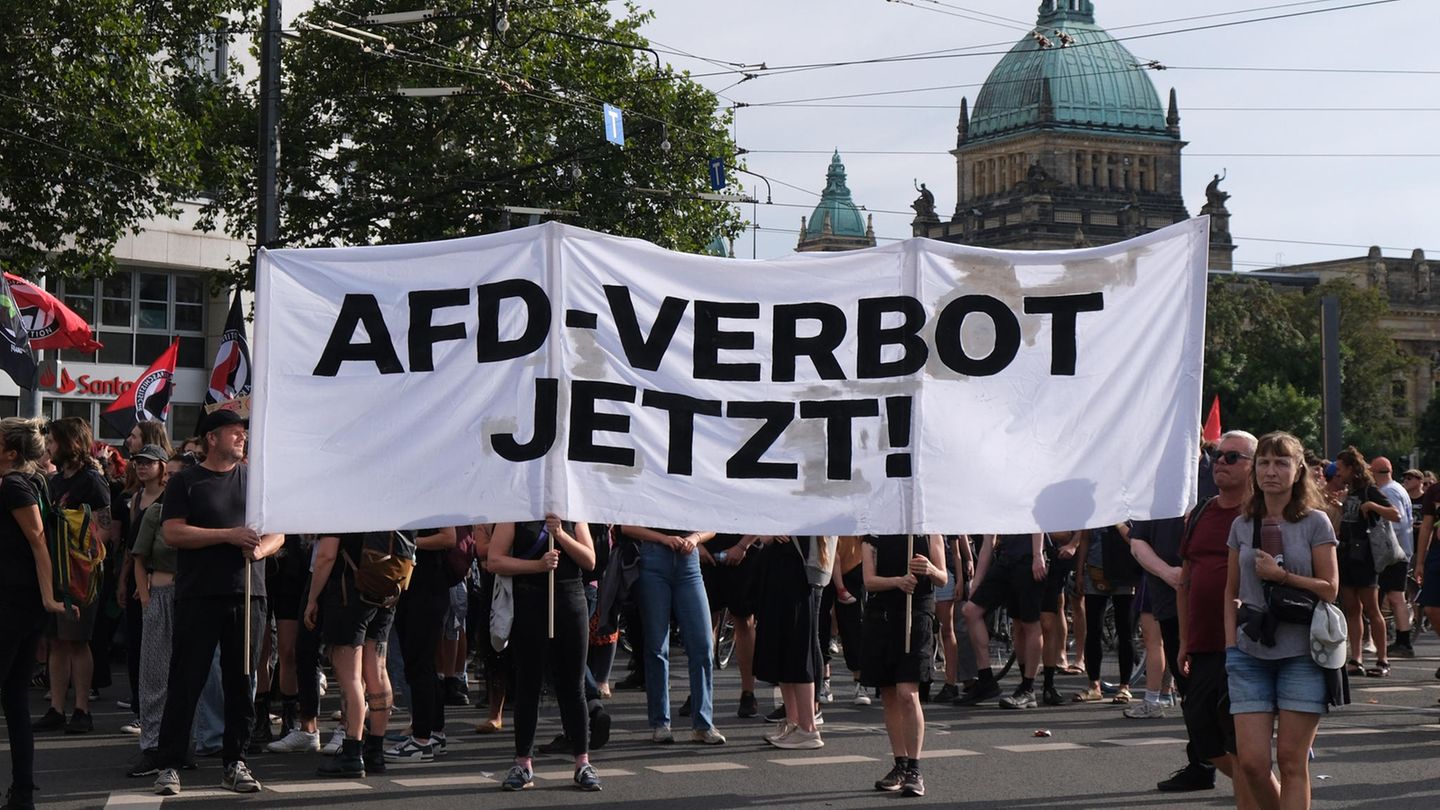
point(18, 361)
point(230, 376)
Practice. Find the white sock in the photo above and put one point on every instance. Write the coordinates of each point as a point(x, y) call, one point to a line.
point(1152, 697)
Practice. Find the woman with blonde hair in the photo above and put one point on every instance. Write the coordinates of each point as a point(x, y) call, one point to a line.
point(26, 593)
point(1282, 539)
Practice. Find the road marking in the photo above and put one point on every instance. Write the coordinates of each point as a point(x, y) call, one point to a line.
point(555, 776)
point(1030, 747)
point(315, 787)
point(1137, 741)
point(698, 767)
point(1381, 690)
point(133, 800)
point(946, 753)
point(443, 781)
point(1336, 732)
point(840, 760)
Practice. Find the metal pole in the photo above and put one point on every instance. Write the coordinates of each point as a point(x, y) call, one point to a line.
point(1330, 373)
point(268, 227)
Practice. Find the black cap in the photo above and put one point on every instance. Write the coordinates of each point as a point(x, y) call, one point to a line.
point(219, 419)
point(154, 452)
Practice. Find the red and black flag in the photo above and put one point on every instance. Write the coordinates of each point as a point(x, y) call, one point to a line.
point(50, 323)
point(230, 377)
point(15, 356)
point(149, 398)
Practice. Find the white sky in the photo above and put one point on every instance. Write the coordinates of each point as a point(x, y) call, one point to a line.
point(1379, 191)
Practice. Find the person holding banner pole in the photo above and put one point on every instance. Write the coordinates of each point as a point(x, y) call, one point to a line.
point(670, 582)
point(203, 519)
point(545, 560)
point(893, 662)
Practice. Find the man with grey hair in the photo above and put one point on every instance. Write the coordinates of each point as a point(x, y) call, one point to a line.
point(1200, 604)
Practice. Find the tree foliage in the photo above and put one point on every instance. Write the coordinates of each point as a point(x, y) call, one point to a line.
point(105, 121)
point(1263, 359)
point(361, 164)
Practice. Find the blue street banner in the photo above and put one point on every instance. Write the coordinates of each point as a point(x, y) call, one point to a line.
point(614, 125)
point(717, 174)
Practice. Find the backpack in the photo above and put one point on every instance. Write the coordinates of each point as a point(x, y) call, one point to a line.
point(458, 559)
point(77, 555)
point(387, 559)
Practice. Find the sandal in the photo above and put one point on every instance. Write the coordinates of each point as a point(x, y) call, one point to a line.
point(1087, 696)
point(488, 727)
point(1122, 695)
point(1355, 669)
point(1076, 669)
point(1380, 670)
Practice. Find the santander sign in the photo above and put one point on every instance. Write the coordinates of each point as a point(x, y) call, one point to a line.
point(84, 385)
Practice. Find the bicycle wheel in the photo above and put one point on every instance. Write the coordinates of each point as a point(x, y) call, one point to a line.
point(725, 640)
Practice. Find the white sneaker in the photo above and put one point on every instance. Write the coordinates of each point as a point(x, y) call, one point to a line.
point(707, 736)
point(819, 719)
point(799, 739)
point(662, 735)
point(1145, 710)
point(783, 729)
point(825, 695)
point(862, 695)
point(296, 742)
point(337, 740)
point(324, 684)
point(1368, 646)
point(132, 727)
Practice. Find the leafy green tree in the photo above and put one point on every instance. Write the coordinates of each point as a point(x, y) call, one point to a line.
point(106, 119)
point(362, 164)
point(1427, 434)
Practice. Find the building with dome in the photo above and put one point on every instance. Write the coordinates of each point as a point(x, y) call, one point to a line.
point(1068, 145)
point(836, 223)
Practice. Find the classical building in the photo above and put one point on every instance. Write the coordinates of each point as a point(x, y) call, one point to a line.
point(1068, 145)
point(836, 223)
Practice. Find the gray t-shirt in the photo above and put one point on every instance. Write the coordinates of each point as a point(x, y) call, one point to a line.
point(1299, 538)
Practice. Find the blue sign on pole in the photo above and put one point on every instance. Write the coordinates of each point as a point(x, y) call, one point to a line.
point(614, 125)
point(717, 174)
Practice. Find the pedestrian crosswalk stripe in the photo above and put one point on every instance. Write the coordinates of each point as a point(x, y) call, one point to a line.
point(698, 767)
point(1343, 730)
point(315, 787)
point(1137, 741)
point(443, 781)
point(1029, 747)
point(133, 800)
point(555, 776)
point(1381, 690)
point(840, 760)
point(945, 753)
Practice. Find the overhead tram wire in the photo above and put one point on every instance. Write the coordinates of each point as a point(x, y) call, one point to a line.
point(933, 7)
point(939, 152)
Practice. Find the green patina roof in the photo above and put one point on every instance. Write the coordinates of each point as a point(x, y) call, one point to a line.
point(1093, 83)
point(716, 247)
point(845, 218)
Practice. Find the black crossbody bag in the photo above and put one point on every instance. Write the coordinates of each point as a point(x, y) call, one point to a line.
point(1286, 603)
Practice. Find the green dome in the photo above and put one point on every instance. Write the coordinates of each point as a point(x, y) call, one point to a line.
point(845, 218)
point(1090, 83)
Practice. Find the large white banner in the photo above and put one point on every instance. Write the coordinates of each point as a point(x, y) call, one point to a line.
point(917, 387)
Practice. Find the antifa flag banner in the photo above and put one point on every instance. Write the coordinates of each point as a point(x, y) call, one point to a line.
point(148, 398)
point(230, 377)
point(17, 360)
point(917, 387)
point(51, 324)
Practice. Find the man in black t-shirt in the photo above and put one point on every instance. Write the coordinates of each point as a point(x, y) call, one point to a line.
point(204, 521)
point(1012, 570)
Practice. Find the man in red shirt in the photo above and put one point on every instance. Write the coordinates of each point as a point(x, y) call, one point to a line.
point(1200, 601)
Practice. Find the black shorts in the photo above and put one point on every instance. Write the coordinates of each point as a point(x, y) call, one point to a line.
point(1207, 706)
point(1011, 581)
point(734, 587)
point(1392, 579)
point(883, 660)
point(1358, 574)
point(350, 621)
point(1055, 577)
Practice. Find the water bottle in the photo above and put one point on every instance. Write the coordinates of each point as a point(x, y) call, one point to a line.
point(721, 555)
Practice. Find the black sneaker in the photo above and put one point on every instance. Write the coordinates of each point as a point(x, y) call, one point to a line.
point(1188, 778)
point(947, 693)
point(748, 706)
point(19, 799)
point(1402, 650)
point(635, 680)
point(776, 716)
point(81, 722)
point(685, 707)
point(599, 727)
point(1051, 697)
point(455, 692)
point(1020, 699)
point(891, 781)
point(981, 692)
point(912, 783)
point(146, 765)
point(559, 745)
point(52, 721)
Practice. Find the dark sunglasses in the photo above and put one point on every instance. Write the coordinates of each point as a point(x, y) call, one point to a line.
point(1412, 475)
point(1230, 457)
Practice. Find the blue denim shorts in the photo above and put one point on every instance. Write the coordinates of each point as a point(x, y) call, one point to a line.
point(1261, 685)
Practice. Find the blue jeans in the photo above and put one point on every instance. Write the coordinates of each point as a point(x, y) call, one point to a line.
point(209, 725)
point(670, 583)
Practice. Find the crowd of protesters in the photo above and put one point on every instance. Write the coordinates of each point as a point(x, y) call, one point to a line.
point(223, 625)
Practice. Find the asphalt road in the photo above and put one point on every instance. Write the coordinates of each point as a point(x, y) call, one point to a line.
point(1383, 751)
